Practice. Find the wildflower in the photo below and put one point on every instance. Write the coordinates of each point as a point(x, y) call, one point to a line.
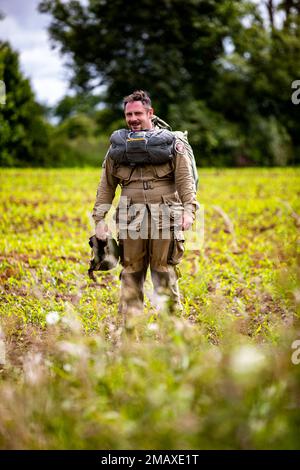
point(153, 326)
point(247, 359)
point(52, 318)
point(33, 368)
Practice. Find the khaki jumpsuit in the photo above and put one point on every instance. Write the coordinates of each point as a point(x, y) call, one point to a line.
point(148, 220)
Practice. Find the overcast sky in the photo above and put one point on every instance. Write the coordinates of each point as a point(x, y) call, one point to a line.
point(26, 30)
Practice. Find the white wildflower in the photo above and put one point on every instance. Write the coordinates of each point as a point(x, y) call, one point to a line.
point(33, 368)
point(153, 326)
point(52, 318)
point(67, 367)
point(247, 359)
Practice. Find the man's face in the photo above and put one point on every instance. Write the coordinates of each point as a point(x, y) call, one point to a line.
point(137, 116)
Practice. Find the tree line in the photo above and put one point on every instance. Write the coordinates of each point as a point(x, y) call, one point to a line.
point(222, 69)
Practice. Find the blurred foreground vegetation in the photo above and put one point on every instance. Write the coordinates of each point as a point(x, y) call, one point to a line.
point(219, 376)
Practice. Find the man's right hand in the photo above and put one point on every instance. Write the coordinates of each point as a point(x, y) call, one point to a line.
point(102, 230)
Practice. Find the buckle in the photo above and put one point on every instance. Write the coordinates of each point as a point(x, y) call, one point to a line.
point(147, 185)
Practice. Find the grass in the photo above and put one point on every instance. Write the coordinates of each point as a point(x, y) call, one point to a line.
point(220, 376)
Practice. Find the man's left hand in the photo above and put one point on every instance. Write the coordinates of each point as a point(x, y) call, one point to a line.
point(187, 221)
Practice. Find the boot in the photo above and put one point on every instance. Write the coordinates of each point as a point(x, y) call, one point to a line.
point(166, 290)
point(132, 293)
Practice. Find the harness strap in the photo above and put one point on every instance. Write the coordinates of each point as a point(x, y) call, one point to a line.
point(149, 184)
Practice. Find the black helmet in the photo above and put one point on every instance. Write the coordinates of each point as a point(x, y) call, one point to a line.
point(105, 255)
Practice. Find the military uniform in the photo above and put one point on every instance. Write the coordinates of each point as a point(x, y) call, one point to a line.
point(148, 218)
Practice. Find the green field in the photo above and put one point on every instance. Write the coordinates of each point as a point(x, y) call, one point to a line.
point(223, 375)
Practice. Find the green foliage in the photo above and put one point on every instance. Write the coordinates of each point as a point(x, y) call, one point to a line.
point(225, 66)
point(219, 376)
point(133, 45)
point(71, 105)
point(215, 141)
point(26, 139)
point(255, 91)
point(76, 142)
point(24, 135)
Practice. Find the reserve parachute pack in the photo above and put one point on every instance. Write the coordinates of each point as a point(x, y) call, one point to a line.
point(141, 147)
point(183, 137)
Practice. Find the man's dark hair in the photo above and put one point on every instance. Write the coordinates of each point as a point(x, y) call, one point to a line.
point(138, 95)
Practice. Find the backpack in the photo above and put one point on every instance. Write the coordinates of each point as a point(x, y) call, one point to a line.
point(183, 136)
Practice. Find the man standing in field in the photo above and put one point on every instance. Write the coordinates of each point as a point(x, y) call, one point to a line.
point(157, 203)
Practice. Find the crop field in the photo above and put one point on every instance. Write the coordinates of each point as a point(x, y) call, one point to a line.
point(224, 374)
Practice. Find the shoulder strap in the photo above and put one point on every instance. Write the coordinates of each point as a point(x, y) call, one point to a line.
point(183, 136)
point(157, 121)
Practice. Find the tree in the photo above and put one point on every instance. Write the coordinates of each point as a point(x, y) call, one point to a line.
point(169, 49)
point(254, 90)
point(224, 68)
point(24, 134)
point(71, 105)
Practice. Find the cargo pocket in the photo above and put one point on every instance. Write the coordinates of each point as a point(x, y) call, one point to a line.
point(172, 211)
point(176, 248)
point(122, 172)
point(163, 170)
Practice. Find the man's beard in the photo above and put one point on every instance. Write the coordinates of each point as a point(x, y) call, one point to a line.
point(135, 126)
